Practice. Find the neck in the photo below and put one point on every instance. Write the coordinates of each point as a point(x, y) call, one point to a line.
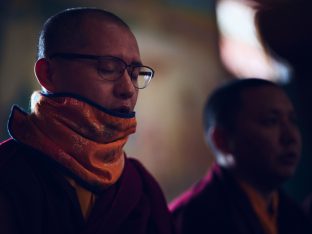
point(265, 194)
point(265, 191)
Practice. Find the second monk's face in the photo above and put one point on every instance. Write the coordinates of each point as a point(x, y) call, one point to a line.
point(267, 141)
point(81, 77)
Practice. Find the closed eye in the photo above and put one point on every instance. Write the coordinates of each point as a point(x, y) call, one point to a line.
point(106, 71)
point(269, 121)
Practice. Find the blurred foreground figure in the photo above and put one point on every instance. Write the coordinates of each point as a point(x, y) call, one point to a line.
point(64, 169)
point(251, 126)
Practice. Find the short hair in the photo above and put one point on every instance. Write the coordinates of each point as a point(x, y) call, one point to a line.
point(225, 102)
point(61, 29)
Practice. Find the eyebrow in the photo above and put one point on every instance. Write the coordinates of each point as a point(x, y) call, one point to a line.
point(90, 56)
point(135, 62)
point(278, 112)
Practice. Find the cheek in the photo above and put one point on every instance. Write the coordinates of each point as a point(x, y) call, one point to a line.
point(135, 97)
point(72, 80)
point(255, 142)
point(92, 89)
point(100, 92)
point(266, 144)
point(255, 155)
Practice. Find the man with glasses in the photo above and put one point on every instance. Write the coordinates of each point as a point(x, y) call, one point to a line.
point(251, 127)
point(64, 169)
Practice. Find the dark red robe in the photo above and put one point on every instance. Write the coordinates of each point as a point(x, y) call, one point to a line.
point(217, 205)
point(36, 198)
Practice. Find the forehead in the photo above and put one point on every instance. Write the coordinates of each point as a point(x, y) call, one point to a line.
point(98, 36)
point(261, 100)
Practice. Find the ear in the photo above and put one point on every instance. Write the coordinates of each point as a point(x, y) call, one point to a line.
point(44, 75)
point(221, 140)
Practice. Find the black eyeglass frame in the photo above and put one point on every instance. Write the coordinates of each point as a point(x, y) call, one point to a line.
point(72, 56)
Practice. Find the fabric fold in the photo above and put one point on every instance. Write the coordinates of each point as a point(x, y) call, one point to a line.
point(79, 136)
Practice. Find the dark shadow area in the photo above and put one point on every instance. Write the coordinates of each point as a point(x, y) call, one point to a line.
point(285, 29)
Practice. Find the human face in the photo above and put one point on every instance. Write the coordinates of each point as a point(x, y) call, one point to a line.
point(81, 77)
point(266, 141)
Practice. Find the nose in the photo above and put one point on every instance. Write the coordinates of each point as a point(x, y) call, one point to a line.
point(289, 134)
point(124, 87)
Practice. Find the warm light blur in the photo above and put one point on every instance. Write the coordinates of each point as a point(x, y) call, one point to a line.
point(240, 49)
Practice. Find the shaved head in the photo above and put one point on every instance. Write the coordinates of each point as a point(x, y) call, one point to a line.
point(66, 29)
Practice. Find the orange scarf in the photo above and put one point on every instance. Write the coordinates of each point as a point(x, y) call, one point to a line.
point(267, 213)
point(81, 136)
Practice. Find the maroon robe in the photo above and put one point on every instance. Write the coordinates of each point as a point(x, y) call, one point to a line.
point(36, 198)
point(217, 205)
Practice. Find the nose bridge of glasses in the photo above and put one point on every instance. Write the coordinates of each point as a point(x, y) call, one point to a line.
point(126, 69)
point(122, 66)
point(136, 73)
point(130, 68)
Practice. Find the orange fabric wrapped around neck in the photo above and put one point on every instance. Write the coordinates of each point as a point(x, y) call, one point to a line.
point(267, 213)
point(80, 136)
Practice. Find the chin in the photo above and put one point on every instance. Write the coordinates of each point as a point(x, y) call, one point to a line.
point(286, 166)
point(286, 173)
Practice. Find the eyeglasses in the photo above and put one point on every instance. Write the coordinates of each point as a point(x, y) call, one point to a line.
point(111, 68)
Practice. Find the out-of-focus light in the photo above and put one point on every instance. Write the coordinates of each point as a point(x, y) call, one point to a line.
point(241, 51)
point(235, 20)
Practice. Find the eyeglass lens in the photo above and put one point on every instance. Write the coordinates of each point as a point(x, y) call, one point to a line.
point(112, 69)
